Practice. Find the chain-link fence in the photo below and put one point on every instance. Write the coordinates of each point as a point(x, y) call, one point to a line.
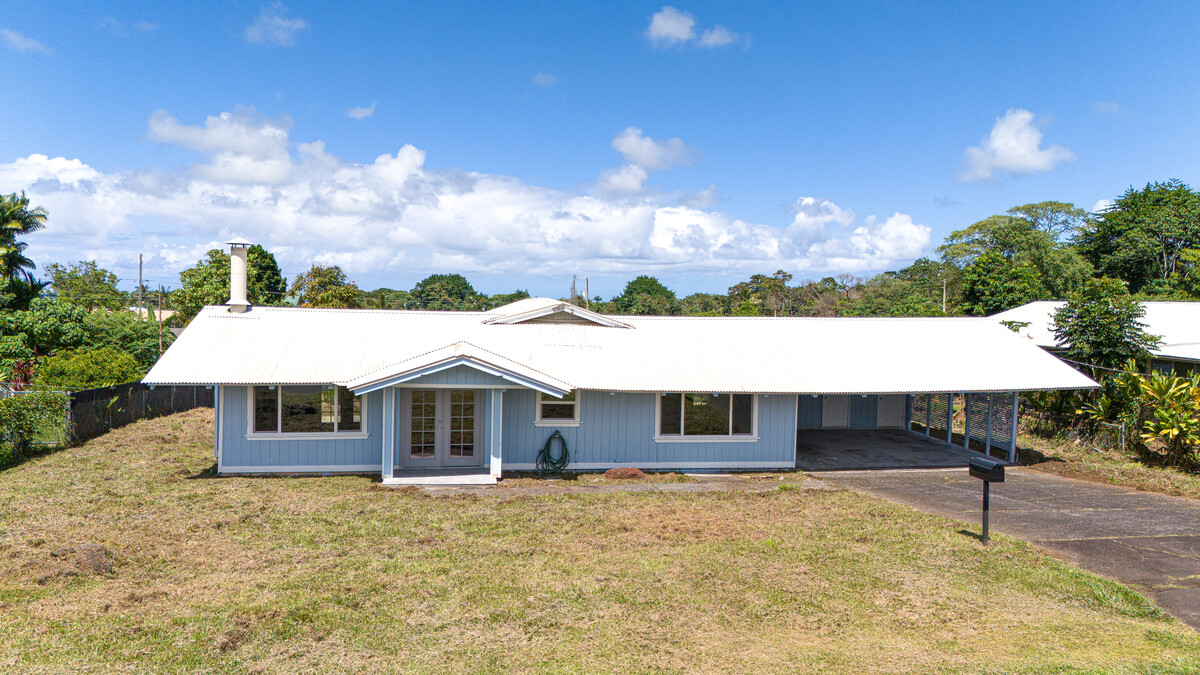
point(96, 411)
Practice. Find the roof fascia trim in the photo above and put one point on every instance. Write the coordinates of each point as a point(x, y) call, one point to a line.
point(470, 362)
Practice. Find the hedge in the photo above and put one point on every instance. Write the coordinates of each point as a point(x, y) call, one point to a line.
point(31, 418)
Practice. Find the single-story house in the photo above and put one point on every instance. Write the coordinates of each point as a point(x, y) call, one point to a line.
point(302, 390)
point(1176, 324)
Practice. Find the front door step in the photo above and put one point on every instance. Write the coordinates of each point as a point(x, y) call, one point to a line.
point(413, 478)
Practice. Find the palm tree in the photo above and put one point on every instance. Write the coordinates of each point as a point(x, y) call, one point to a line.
point(17, 219)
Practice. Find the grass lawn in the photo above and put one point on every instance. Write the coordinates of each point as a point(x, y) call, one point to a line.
point(1086, 461)
point(339, 574)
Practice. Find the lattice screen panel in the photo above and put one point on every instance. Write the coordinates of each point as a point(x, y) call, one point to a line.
point(977, 410)
point(918, 408)
point(939, 410)
point(1001, 420)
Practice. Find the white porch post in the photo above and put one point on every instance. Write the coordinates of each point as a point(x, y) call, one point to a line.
point(389, 429)
point(987, 446)
point(949, 418)
point(496, 420)
point(1016, 409)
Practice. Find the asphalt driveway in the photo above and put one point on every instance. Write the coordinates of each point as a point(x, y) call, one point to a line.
point(1146, 540)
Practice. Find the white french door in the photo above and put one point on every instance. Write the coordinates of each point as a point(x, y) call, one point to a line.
point(443, 428)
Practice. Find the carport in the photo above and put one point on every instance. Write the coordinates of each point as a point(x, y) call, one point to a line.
point(896, 431)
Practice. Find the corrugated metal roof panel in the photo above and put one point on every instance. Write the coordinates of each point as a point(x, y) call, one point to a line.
point(1176, 323)
point(276, 345)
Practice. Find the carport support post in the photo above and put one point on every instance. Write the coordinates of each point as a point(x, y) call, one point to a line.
point(1012, 440)
point(949, 418)
point(908, 412)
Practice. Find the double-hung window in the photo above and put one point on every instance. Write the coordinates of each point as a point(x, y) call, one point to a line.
point(558, 412)
point(683, 416)
point(306, 409)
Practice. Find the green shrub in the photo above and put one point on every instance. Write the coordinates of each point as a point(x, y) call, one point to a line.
point(28, 419)
point(101, 367)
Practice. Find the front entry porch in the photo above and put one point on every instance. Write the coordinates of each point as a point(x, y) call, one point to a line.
point(442, 435)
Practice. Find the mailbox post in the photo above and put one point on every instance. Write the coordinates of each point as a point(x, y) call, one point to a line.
point(988, 471)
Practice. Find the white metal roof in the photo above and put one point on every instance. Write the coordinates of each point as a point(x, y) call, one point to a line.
point(1177, 324)
point(282, 345)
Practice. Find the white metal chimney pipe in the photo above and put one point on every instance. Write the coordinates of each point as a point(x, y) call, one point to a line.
point(238, 253)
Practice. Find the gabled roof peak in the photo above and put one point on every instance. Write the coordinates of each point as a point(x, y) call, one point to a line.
point(547, 310)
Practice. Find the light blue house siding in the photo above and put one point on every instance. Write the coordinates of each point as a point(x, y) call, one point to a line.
point(237, 454)
point(618, 429)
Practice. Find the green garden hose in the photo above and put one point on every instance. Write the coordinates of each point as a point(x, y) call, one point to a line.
point(547, 462)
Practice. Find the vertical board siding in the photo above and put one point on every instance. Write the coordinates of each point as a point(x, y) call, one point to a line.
point(460, 376)
point(864, 411)
point(238, 452)
point(808, 412)
point(618, 430)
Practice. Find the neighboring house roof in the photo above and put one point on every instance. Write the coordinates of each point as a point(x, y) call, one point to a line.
point(364, 348)
point(1176, 324)
point(160, 315)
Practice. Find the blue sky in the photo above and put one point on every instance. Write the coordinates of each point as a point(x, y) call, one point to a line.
point(520, 144)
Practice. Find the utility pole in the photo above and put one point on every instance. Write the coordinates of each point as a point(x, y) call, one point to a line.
point(573, 291)
point(141, 308)
point(943, 296)
point(587, 291)
point(157, 315)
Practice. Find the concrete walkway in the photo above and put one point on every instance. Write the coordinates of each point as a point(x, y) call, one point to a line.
point(1146, 540)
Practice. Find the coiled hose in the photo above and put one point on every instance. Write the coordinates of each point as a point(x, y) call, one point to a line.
point(547, 462)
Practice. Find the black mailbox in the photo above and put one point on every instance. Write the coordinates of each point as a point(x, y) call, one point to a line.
point(986, 469)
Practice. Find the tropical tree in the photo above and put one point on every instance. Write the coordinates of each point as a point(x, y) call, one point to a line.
point(1100, 325)
point(770, 294)
point(102, 367)
point(446, 292)
point(326, 286)
point(17, 219)
point(1008, 260)
point(1148, 238)
point(646, 295)
point(207, 282)
point(87, 285)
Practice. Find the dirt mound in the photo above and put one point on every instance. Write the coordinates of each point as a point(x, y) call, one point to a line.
point(624, 472)
point(93, 559)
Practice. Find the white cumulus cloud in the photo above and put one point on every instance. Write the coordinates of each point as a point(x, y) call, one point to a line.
point(361, 113)
point(650, 154)
point(23, 44)
point(669, 27)
point(398, 217)
point(1013, 147)
point(274, 26)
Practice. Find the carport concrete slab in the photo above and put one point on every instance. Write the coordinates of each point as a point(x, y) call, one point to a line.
point(849, 449)
point(1150, 541)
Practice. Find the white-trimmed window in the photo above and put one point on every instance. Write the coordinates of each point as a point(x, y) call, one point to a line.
point(692, 416)
point(557, 412)
point(305, 409)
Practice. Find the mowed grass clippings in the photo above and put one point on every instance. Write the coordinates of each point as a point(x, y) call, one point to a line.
point(289, 575)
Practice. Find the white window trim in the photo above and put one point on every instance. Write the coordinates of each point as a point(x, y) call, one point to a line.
point(252, 435)
point(574, 422)
point(681, 438)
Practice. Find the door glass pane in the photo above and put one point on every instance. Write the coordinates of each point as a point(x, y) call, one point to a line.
point(462, 423)
point(743, 411)
point(302, 407)
point(706, 415)
point(669, 419)
point(266, 409)
point(423, 410)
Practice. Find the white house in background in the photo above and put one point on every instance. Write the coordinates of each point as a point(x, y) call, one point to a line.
point(1176, 324)
point(401, 392)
